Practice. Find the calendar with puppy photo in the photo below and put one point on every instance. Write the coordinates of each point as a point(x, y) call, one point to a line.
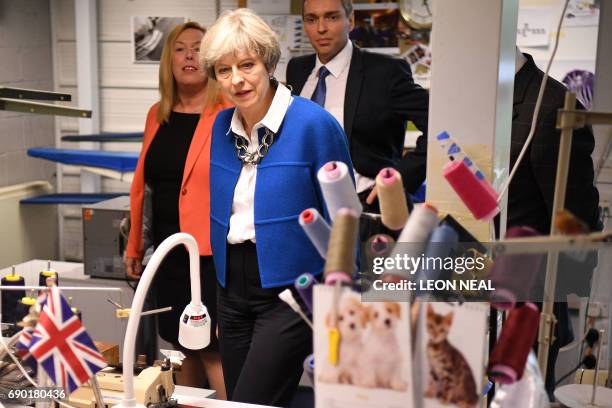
point(451, 352)
point(362, 351)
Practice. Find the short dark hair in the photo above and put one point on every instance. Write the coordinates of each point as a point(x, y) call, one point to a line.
point(347, 5)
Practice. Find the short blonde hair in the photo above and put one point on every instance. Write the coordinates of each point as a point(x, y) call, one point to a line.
point(167, 84)
point(236, 31)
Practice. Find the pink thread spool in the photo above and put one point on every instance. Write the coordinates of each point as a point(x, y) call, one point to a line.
point(514, 275)
point(480, 200)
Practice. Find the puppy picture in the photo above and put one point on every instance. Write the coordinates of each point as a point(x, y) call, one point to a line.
point(362, 351)
point(351, 320)
point(381, 359)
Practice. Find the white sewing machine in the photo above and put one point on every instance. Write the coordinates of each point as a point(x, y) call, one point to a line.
point(151, 386)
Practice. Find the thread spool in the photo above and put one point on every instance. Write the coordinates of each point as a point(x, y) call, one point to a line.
point(442, 244)
point(340, 262)
point(481, 202)
point(47, 273)
point(303, 285)
point(514, 275)
point(415, 235)
point(392, 199)
point(24, 304)
point(338, 188)
point(379, 245)
point(316, 229)
point(75, 310)
point(507, 362)
point(11, 313)
point(361, 283)
point(454, 152)
point(567, 223)
point(309, 367)
point(480, 176)
point(420, 224)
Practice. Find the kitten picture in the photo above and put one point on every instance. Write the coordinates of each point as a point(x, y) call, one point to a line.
point(450, 379)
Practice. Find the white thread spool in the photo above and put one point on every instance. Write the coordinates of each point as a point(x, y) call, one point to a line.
point(415, 235)
point(338, 188)
point(316, 229)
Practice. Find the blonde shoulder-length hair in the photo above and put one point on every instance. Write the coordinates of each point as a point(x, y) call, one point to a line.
point(167, 84)
point(239, 30)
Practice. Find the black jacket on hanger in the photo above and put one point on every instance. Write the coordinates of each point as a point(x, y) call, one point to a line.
point(531, 193)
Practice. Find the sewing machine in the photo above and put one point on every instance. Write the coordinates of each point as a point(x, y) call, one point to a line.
point(151, 386)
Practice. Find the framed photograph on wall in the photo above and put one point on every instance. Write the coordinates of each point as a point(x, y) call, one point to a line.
point(149, 35)
point(376, 27)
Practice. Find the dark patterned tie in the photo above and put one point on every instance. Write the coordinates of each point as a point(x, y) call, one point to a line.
point(318, 95)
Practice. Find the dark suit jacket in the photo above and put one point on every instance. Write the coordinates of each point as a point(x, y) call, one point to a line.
point(530, 197)
point(380, 97)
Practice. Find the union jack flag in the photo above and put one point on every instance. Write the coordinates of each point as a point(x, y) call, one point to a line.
point(61, 345)
point(22, 348)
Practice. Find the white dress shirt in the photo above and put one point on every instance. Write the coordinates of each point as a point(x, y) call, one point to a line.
point(242, 225)
point(335, 84)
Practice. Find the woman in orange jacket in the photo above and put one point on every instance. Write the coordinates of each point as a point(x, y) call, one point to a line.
point(174, 168)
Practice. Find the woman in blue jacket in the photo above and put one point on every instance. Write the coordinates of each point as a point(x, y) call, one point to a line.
point(265, 154)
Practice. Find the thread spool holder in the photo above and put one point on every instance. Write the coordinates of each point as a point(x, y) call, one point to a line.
point(568, 119)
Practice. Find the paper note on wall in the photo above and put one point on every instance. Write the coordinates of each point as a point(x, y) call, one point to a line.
point(289, 30)
point(533, 27)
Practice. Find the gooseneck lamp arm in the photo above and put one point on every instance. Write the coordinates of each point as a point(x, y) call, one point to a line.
point(139, 297)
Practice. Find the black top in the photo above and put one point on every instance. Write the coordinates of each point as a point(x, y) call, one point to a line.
point(380, 97)
point(164, 165)
point(530, 197)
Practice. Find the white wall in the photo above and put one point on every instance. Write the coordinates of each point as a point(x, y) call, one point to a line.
point(577, 45)
point(127, 90)
point(25, 62)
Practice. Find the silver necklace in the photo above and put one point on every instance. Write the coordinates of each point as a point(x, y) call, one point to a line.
point(255, 157)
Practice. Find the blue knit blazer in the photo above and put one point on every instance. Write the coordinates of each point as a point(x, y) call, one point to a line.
point(286, 184)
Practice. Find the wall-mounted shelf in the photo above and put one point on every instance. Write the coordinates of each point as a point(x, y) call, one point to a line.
point(14, 99)
point(22, 93)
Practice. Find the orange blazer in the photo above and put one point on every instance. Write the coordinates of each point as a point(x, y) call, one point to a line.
point(194, 198)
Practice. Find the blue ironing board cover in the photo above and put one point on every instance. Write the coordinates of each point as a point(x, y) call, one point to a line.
point(71, 198)
point(119, 161)
point(105, 137)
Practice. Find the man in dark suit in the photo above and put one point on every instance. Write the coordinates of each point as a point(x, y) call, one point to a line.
point(371, 95)
point(530, 196)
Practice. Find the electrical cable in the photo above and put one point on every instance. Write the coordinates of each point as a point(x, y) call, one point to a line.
point(591, 337)
point(536, 111)
point(568, 374)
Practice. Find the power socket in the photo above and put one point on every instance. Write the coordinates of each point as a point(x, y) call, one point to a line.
point(599, 310)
